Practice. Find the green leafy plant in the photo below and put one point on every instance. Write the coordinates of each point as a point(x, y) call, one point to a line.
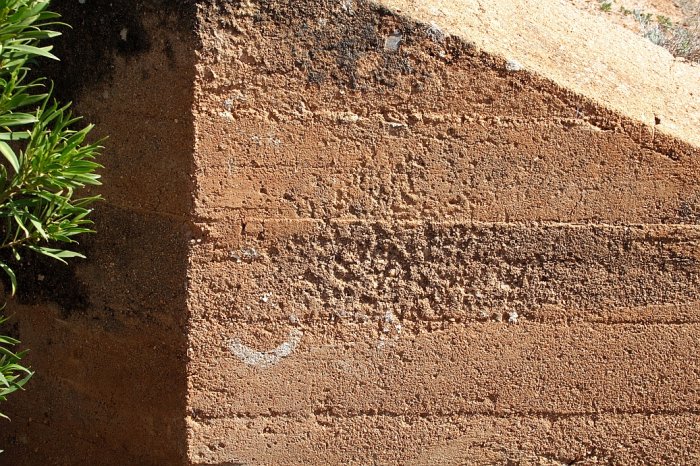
point(664, 21)
point(43, 163)
point(625, 11)
point(606, 6)
point(681, 38)
point(13, 375)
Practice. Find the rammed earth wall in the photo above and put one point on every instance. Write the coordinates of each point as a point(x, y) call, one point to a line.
point(342, 232)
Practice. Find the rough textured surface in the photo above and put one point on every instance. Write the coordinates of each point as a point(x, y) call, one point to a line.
point(417, 250)
point(107, 336)
point(633, 76)
point(418, 233)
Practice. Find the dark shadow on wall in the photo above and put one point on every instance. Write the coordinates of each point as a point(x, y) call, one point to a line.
point(102, 31)
point(108, 334)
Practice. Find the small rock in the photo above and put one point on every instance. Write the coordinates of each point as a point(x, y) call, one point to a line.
point(226, 115)
point(435, 33)
point(347, 6)
point(391, 43)
point(513, 65)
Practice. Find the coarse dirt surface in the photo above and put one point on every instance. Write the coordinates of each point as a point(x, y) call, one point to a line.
point(445, 232)
point(351, 232)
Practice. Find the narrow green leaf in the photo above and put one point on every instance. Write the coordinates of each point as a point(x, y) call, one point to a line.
point(20, 224)
point(9, 155)
point(39, 228)
point(11, 274)
point(43, 34)
point(30, 49)
point(16, 119)
point(49, 252)
point(9, 354)
point(5, 340)
point(70, 254)
point(15, 136)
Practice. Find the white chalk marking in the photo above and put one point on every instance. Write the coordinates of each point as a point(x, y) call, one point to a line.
point(264, 359)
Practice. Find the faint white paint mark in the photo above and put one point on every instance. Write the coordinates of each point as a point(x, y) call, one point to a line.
point(264, 359)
